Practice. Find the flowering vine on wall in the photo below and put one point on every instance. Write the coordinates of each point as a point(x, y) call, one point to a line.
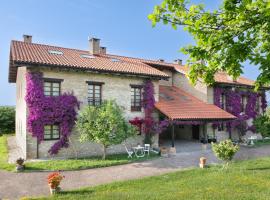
point(234, 106)
point(49, 110)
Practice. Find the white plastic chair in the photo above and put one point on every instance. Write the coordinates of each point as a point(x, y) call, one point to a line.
point(147, 148)
point(129, 152)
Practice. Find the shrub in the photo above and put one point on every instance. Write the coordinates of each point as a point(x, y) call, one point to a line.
point(7, 119)
point(225, 150)
point(262, 125)
point(104, 125)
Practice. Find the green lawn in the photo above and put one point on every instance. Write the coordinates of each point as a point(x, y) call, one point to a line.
point(67, 164)
point(4, 154)
point(259, 143)
point(247, 180)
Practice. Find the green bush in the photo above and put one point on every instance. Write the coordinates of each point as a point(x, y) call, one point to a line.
point(262, 125)
point(225, 150)
point(7, 119)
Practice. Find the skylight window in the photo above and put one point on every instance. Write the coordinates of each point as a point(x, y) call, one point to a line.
point(55, 52)
point(115, 60)
point(87, 56)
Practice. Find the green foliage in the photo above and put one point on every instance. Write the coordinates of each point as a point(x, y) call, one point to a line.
point(7, 119)
point(104, 125)
point(262, 125)
point(225, 38)
point(225, 150)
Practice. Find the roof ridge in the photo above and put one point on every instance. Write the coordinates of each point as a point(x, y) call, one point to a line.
point(48, 45)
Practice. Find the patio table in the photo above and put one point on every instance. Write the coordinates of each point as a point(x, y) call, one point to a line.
point(139, 151)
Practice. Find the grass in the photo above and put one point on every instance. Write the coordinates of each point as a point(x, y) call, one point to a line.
point(67, 164)
point(4, 154)
point(83, 163)
point(259, 143)
point(247, 180)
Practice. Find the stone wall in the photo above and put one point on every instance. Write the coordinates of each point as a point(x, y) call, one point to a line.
point(200, 90)
point(114, 87)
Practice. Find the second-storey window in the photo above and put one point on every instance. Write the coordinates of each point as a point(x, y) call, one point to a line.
point(243, 103)
point(94, 93)
point(52, 87)
point(136, 97)
point(223, 101)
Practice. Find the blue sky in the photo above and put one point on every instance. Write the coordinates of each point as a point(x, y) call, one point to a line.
point(121, 25)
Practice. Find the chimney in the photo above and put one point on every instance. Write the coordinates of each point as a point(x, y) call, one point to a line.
point(27, 38)
point(161, 60)
point(102, 50)
point(178, 61)
point(94, 45)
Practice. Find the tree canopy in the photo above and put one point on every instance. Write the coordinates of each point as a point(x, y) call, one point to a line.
point(225, 38)
point(104, 124)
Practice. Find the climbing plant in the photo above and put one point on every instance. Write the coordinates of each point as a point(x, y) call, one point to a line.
point(49, 110)
point(234, 106)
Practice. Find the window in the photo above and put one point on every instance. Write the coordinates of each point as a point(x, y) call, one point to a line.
point(94, 93)
point(243, 103)
point(221, 127)
point(136, 97)
point(52, 87)
point(51, 132)
point(223, 101)
point(55, 52)
point(258, 105)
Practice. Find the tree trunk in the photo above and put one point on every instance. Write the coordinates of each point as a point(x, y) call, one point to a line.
point(104, 153)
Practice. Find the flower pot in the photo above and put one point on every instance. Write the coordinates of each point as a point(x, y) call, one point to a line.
point(54, 190)
point(172, 151)
point(164, 151)
point(19, 168)
point(202, 162)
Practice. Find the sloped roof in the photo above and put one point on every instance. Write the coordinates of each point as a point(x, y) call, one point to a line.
point(38, 54)
point(220, 77)
point(177, 104)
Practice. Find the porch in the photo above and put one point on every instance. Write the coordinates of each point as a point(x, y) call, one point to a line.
point(185, 146)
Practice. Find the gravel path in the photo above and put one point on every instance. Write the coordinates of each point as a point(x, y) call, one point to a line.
point(16, 185)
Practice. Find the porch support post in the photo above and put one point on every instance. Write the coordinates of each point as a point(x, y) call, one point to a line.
point(204, 131)
point(173, 136)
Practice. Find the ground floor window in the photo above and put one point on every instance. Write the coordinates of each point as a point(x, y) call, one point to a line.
point(51, 132)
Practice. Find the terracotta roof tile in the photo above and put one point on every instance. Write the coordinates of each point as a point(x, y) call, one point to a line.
point(30, 53)
point(178, 104)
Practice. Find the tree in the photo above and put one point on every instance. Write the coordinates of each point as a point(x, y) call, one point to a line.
point(104, 125)
point(238, 31)
point(7, 119)
point(262, 125)
point(225, 150)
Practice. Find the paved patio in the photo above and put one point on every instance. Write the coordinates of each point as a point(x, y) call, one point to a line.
point(16, 185)
point(186, 146)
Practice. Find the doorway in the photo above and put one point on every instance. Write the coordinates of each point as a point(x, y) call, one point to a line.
point(196, 132)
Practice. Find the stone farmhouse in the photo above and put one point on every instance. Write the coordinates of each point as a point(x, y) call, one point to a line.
point(200, 112)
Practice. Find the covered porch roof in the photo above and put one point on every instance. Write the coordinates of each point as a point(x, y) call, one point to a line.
point(177, 104)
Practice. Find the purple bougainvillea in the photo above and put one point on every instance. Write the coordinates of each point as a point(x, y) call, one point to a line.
point(49, 110)
point(234, 106)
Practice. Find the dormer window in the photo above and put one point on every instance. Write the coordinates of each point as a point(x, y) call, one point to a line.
point(55, 52)
point(87, 56)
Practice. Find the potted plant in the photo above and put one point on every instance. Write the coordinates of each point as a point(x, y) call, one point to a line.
point(20, 164)
point(54, 180)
